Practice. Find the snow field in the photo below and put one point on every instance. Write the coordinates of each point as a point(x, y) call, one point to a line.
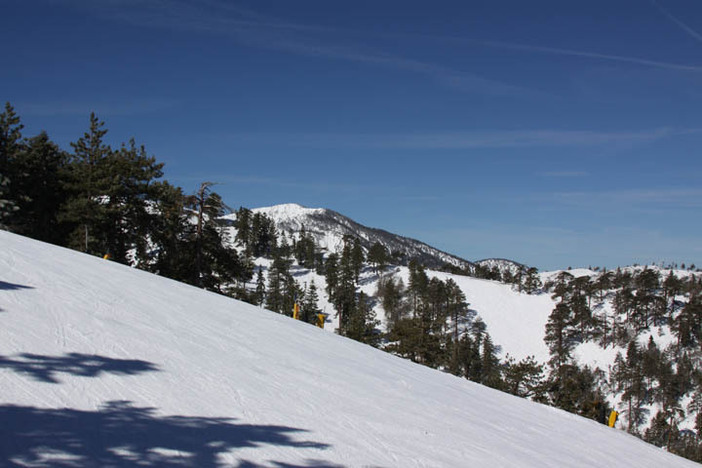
point(229, 384)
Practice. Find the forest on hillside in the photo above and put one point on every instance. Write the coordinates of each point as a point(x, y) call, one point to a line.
point(115, 203)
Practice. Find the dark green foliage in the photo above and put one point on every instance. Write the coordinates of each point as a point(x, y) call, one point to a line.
point(309, 306)
point(7, 206)
point(342, 282)
point(39, 173)
point(10, 138)
point(89, 178)
point(279, 285)
point(391, 293)
point(305, 250)
point(532, 283)
point(263, 237)
point(629, 379)
point(560, 336)
point(331, 274)
point(362, 323)
point(575, 389)
point(378, 257)
point(357, 258)
point(173, 254)
point(260, 293)
point(213, 263)
point(524, 378)
point(688, 323)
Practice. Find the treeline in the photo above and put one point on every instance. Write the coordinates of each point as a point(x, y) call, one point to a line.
point(430, 322)
point(620, 309)
point(523, 279)
point(114, 203)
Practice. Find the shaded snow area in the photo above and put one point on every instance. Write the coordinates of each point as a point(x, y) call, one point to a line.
point(103, 365)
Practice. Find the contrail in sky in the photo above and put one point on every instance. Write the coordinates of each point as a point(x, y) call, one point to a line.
point(675, 20)
point(594, 55)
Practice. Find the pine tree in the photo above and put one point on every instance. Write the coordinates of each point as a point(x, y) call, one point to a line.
point(10, 145)
point(310, 304)
point(391, 292)
point(7, 206)
point(215, 264)
point(344, 298)
point(378, 257)
point(362, 324)
point(263, 236)
point(418, 283)
point(260, 294)
point(38, 182)
point(292, 294)
point(672, 286)
point(404, 339)
point(357, 258)
point(278, 282)
point(687, 325)
point(131, 173)
point(648, 306)
point(172, 253)
point(10, 138)
point(629, 379)
point(559, 336)
point(491, 371)
point(524, 378)
point(331, 275)
point(532, 283)
point(86, 210)
point(244, 234)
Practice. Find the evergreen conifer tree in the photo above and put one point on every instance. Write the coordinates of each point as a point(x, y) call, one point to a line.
point(260, 294)
point(89, 179)
point(378, 257)
point(310, 304)
point(39, 169)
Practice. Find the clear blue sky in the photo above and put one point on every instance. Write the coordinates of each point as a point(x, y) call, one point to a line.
point(555, 133)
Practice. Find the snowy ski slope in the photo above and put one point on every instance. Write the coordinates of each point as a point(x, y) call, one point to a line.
point(103, 365)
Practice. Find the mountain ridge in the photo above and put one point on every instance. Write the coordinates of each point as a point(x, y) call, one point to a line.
point(328, 228)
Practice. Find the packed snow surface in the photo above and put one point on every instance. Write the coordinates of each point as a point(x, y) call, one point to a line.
point(103, 365)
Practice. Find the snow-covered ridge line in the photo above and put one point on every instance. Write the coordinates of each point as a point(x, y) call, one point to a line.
point(329, 227)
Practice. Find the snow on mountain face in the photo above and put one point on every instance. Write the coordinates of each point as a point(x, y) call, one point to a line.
point(328, 229)
point(103, 365)
point(501, 264)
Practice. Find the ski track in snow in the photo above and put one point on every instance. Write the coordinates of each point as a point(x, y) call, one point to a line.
point(230, 384)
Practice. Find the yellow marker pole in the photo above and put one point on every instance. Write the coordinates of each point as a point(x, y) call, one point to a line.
point(296, 311)
point(613, 418)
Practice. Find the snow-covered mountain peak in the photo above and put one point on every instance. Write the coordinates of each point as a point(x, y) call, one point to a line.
point(328, 229)
point(288, 211)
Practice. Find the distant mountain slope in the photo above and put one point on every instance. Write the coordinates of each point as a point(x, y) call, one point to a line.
point(502, 264)
point(329, 228)
point(103, 365)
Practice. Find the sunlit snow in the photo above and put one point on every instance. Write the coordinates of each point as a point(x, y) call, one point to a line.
point(103, 365)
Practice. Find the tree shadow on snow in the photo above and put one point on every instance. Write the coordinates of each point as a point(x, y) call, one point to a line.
point(120, 434)
point(306, 464)
point(5, 286)
point(45, 368)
